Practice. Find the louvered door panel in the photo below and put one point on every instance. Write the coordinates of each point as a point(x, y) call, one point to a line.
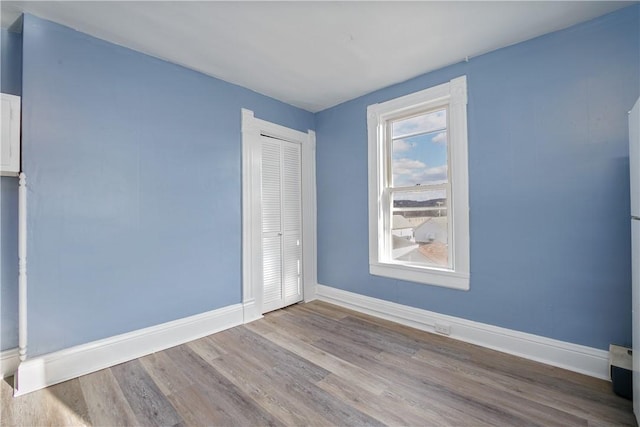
point(271, 186)
point(281, 223)
point(292, 196)
point(292, 268)
point(272, 271)
point(271, 224)
point(292, 222)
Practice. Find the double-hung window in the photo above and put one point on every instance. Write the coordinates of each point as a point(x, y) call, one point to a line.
point(418, 187)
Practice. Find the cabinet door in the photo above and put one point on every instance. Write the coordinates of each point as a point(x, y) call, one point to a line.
point(10, 131)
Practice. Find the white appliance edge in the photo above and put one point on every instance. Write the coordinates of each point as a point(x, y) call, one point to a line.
point(634, 176)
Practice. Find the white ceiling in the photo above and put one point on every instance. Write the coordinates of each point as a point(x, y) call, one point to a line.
point(313, 54)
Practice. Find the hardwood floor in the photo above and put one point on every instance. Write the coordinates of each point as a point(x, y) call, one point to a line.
point(318, 364)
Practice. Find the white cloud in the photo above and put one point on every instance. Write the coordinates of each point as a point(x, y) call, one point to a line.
point(400, 146)
point(433, 121)
point(440, 138)
point(438, 173)
point(407, 166)
point(408, 172)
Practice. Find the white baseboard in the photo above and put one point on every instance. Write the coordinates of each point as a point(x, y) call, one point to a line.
point(250, 311)
point(42, 371)
point(574, 357)
point(9, 360)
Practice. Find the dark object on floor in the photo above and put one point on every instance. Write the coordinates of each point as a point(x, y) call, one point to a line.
point(621, 370)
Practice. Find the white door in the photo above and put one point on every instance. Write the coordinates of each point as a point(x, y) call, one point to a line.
point(281, 193)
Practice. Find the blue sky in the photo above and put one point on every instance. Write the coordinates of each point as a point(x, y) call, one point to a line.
point(422, 158)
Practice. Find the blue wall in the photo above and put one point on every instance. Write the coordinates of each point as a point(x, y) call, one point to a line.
point(10, 82)
point(134, 176)
point(549, 186)
point(11, 61)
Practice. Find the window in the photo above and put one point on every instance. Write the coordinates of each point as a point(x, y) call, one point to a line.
point(418, 187)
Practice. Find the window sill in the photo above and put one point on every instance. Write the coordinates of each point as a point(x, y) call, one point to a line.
point(428, 276)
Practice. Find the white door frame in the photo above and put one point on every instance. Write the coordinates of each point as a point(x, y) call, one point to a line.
point(252, 287)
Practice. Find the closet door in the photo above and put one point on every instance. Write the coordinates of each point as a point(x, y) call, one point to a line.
point(281, 223)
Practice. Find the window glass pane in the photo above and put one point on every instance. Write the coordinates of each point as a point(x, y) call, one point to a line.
point(432, 121)
point(419, 228)
point(420, 160)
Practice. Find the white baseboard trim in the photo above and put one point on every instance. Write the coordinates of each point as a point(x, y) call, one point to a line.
point(250, 311)
point(9, 361)
point(574, 357)
point(309, 293)
point(49, 369)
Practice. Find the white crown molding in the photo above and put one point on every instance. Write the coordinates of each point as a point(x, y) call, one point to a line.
point(49, 369)
point(578, 358)
point(9, 361)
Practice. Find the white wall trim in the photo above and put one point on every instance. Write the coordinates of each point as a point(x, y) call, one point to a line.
point(22, 266)
point(9, 361)
point(250, 311)
point(574, 357)
point(251, 268)
point(42, 371)
point(252, 129)
point(309, 215)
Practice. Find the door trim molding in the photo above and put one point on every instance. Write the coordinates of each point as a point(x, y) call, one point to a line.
point(252, 129)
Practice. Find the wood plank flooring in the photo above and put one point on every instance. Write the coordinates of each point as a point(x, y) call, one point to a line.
point(319, 364)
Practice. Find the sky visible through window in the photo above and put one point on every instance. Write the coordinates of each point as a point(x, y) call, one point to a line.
point(420, 150)
point(419, 168)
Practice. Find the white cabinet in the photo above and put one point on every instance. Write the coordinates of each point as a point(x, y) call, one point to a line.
point(10, 142)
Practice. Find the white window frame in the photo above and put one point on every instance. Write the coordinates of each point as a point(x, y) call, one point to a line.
point(453, 96)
